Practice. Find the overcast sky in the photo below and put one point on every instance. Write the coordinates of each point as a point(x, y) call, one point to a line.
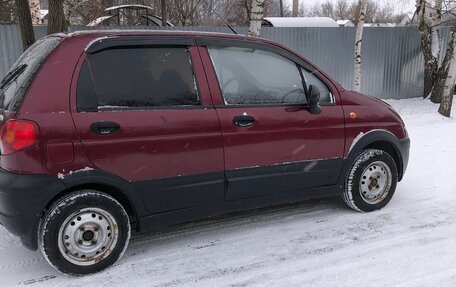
point(407, 6)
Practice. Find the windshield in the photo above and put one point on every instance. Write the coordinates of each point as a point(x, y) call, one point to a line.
point(16, 82)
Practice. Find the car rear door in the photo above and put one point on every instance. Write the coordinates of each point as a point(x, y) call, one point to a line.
point(272, 143)
point(143, 112)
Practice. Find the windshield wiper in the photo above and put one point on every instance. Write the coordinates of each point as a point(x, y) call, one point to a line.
point(12, 75)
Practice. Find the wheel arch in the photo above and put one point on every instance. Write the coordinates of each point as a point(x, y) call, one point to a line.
point(110, 190)
point(375, 139)
point(118, 188)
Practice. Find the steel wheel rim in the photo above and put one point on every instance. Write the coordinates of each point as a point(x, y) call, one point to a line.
point(375, 182)
point(88, 236)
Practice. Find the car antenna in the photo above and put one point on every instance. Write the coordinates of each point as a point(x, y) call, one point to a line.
point(220, 17)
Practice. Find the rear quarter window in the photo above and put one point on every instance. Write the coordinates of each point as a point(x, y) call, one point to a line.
point(16, 82)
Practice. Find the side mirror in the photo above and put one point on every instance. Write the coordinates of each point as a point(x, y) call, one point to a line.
point(314, 97)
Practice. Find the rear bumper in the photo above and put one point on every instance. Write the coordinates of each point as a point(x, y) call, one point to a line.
point(23, 198)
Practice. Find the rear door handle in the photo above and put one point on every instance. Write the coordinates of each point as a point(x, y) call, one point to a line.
point(243, 121)
point(104, 128)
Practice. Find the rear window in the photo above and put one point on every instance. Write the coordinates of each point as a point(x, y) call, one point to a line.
point(137, 78)
point(16, 82)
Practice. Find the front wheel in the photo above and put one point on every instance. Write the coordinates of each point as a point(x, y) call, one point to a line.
point(84, 232)
point(371, 182)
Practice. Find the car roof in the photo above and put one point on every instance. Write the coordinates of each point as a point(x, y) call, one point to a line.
point(135, 32)
point(172, 33)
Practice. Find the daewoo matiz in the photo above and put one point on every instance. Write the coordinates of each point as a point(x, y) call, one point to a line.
point(107, 132)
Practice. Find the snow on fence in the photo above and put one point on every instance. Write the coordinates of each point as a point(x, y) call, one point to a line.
point(392, 67)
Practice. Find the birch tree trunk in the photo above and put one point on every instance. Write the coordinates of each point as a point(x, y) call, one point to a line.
point(25, 23)
point(56, 22)
point(429, 42)
point(435, 29)
point(256, 17)
point(358, 41)
point(442, 73)
point(448, 90)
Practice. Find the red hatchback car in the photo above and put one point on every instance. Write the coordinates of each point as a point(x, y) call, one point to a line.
point(107, 132)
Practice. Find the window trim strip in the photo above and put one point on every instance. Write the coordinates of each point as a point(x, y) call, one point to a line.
point(104, 43)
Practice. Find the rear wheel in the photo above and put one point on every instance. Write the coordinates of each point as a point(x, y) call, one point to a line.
point(371, 182)
point(84, 232)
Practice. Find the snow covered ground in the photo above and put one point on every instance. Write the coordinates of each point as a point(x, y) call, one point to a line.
point(411, 242)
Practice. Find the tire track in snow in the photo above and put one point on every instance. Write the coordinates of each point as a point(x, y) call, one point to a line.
point(38, 280)
point(24, 259)
point(265, 221)
point(353, 230)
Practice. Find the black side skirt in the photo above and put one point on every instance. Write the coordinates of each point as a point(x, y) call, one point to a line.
point(157, 222)
point(181, 199)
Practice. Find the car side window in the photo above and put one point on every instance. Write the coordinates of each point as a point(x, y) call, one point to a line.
point(135, 78)
point(256, 77)
point(311, 79)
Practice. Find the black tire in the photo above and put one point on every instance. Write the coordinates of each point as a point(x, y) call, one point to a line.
point(371, 182)
point(84, 232)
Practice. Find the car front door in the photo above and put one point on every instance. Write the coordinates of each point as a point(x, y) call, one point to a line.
point(143, 112)
point(272, 143)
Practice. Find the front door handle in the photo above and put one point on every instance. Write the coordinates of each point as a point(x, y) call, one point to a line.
point(243, 121)
point(104, 128)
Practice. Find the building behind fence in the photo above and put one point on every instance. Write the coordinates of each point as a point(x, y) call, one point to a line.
point(392, 67)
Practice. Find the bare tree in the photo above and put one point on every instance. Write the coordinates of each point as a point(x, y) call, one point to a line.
point(56, 22)
point(237, 12)
point(448, 90)
point(442, 71)
point(185, 11)
point(163, 12)
point(346, 10)
point(372, 9)
point(35, 11)
point(386, 14)
point(438, 77)
point(358, 41)
point(281, 8)
point(327, 9)
point(305, 10)
point(430, 65)
point(295, 8)
point(429, 41)
point(25, 23)
point(179, 12)
point(8, 12)
point(72, 9)
point(342, 10)
point(256, 17)
point(85, 11)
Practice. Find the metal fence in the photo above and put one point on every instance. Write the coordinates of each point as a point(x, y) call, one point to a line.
point(392, 67)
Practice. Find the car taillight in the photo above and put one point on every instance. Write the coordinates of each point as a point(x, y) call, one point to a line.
point(16, 135)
